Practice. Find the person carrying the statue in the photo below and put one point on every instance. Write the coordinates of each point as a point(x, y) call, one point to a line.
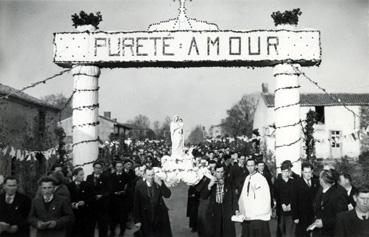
point(222, 203)
point(149, 210)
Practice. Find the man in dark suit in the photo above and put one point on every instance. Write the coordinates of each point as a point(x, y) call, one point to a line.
point(263, 169)
point(80, 195)
point(328, 203)
point(240, 173)
point(130, 176)
point(203, 228)
point(14, 210)
point(355, 223)
point(118, 199)
point(228, 166)
point(283, 192)
point(150, 211)
point(60, 183)
point(50, 214)
point(100, 202)
point(305, 189)
point(345, 181)
point(222, 204)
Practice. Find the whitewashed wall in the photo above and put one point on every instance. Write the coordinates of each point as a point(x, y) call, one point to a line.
point(105, 128)
point(264, 117)
point(336, 118)
point(66, 124)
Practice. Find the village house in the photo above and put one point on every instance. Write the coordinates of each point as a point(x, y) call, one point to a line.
point(26, 122)
point(216, 131)
point(27, 130)
point(107, 126)
point(337, 133)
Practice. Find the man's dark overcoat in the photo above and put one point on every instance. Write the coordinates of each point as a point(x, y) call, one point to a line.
point(150, 209)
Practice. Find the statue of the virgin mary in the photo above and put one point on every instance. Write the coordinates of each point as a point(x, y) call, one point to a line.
point(177, 137)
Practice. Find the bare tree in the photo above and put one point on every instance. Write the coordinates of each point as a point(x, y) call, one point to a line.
point(165, 128)
point(197, 135)
point(142, 121)
point(240, 117)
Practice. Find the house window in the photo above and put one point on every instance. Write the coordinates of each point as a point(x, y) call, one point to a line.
point(116, 129)
point(320, 114)
point(335, 139)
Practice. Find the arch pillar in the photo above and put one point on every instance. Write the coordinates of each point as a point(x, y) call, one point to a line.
point(85, 112)
point(287, 116)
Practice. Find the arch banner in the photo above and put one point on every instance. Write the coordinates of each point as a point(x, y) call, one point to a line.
point(254, 48)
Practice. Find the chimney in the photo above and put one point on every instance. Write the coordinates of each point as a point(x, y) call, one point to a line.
point(107, 114)
point(264, 88)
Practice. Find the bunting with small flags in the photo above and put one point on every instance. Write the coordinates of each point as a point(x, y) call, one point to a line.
point(20, 154)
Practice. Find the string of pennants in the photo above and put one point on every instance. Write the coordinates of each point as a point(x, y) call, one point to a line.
point(19, 154)
point(353, 136)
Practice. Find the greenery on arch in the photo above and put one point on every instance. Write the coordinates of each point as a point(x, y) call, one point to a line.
point(290, 17)
point(87, 19)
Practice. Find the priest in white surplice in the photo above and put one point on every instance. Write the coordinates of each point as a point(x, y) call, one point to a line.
point(176, 132)
point(254, 203)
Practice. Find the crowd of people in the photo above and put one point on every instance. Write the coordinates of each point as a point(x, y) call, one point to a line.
point(243, 190)
point(240, 190)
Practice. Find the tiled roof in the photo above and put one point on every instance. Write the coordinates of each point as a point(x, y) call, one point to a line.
point(125, 125)
point(324, 100)
point(5, 90)
point(132, 126)
point(217, 125)
point(115, 122)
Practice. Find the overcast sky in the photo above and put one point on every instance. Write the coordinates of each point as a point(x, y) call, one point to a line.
point(200, 95)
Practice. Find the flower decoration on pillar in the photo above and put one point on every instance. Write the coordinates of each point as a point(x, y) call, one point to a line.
point(86, 19)
point(287, 17)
